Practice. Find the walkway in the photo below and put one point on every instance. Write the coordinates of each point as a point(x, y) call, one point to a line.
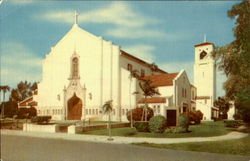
point(122, 140)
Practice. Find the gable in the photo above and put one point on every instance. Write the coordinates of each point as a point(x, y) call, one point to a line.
point(161, 79)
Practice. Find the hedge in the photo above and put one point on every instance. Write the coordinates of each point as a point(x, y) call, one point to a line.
point(141, 126)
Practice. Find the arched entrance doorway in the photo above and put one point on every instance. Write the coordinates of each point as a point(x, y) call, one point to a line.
point(74, 108)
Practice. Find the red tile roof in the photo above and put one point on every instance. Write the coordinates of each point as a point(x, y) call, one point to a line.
point(137, 60)
point(153, 100)
point(202, 44)
point(161, 79)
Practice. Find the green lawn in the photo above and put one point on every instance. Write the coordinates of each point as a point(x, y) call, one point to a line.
point(237, 146)
point(202, 130)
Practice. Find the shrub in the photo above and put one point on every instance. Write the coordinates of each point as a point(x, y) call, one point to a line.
point(195, 117)
point(233, 123)
point(246, 114)
point(169, 130)
point(32, 112)
point(183, 122)
point(22, 113)
point(157, 124)
point(26, 113)
point(141, 126)
point(40, 119)
point(137, 114)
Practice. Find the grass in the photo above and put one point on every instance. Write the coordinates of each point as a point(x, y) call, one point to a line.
point(203, 130)
point(236, 147)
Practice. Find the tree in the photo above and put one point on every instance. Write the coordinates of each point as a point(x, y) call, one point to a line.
point(223, 104)
point(148, 91)
point(153, 67)
point(4, 89)
point(22, 91)
point(10, 108)
point(133, 74)
point(234, 58)
point(107, 109)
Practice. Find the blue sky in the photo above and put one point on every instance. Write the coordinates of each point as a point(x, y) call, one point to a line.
point(161, 32)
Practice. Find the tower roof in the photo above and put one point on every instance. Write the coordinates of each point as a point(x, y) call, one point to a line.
point(204, 44)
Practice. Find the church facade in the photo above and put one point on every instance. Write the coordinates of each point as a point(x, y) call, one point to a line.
point(82, 72)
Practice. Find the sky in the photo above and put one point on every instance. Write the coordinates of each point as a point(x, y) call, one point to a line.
point(163, 32)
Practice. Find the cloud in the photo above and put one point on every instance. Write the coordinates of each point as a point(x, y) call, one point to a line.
point(142, 51)
point(117, 13)
point(21, 1)
point(127, 22)
point(19, 63)
point(135, 33)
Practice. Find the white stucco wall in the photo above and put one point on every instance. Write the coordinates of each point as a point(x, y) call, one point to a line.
point(205, 79)
point(182, 83)
point(98, 67)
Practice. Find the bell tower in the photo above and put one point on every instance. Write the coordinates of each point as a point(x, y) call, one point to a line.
point(205, 78)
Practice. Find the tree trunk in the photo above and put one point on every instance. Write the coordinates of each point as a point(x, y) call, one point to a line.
point(109, 128)
point(109, 125)
point(131, 115)
point(144, 110)
point(3, 104)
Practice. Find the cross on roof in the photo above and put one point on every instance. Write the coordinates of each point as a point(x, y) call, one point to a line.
point(205, 38)
point(76, 17)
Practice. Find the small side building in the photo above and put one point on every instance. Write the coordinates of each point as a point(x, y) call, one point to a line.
point(174, 98)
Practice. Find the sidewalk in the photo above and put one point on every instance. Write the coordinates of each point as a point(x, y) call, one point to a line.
point(122, 140)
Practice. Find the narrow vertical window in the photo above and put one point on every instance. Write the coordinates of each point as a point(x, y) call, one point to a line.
point(130, 67)
point(75, 67)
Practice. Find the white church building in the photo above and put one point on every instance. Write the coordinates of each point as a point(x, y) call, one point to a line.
point(83, 71)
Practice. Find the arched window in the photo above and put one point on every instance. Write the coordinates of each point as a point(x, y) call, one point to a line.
point(75, 67)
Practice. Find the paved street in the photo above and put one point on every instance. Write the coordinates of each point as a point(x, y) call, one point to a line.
point(22, 148)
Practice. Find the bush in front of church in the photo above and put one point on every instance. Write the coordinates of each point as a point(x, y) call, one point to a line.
point(137, 114)
point(157, 124)
point(195, 117)
point(183, 123)
point(141, 126)
point(26, 113)
point(41, 119)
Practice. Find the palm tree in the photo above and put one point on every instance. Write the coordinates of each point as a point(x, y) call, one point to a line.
point(107, 109)
point(148, 91)
point(133, 74)
point(4, 89)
